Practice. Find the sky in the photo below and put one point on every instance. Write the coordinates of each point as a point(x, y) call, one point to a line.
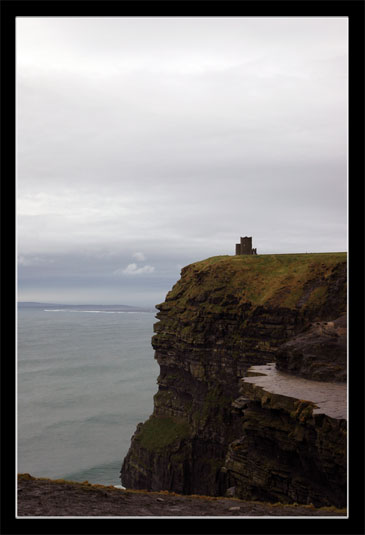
point(147, 143)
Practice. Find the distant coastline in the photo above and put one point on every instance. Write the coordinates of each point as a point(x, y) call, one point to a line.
point(92, 307)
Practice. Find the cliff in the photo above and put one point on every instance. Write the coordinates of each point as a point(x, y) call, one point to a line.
point(208, 433)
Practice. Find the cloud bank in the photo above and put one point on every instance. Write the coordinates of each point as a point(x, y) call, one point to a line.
point(174, 136)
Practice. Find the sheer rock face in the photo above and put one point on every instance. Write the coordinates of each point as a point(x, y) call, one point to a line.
point(319, 353)
point(224, 315)
point(291, 449)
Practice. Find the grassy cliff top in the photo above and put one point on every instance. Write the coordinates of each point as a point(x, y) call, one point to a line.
point(284, 280)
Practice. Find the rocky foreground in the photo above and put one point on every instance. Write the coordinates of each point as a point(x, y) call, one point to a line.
point(46, 497)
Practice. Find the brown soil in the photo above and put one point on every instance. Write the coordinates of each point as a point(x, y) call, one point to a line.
point(46, 497)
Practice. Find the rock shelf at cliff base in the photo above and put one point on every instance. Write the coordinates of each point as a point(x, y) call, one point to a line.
point(327, 398)
point(214, 430)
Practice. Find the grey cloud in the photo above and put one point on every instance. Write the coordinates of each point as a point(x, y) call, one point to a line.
point(134, 138)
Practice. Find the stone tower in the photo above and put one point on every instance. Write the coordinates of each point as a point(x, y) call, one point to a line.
point(245, 246)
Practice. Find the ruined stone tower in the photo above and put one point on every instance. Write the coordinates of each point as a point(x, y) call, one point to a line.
point(245, 246)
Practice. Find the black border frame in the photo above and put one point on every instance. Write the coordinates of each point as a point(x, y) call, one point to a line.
point(355, 11)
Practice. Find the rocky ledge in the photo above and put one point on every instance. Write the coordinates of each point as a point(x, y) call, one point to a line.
point(225, 315)
point(293, 445)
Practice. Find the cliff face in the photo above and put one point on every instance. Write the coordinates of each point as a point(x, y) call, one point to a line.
point(223, 316)
point(318, 353)
point(291, 449)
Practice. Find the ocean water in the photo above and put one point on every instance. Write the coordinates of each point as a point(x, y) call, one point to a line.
point(86, 378)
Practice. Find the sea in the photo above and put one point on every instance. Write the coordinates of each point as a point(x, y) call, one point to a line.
point(86, 376)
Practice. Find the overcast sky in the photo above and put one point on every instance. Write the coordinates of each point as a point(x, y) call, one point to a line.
point(148, 143)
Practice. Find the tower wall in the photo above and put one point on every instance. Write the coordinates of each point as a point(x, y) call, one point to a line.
point(246, 245)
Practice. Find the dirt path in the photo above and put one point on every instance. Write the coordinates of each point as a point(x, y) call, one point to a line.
point(46, 497)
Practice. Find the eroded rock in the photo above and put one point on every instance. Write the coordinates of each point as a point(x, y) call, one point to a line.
point(318, 353)
point(293, 447)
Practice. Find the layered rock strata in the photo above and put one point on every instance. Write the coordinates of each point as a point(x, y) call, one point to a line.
point(318, 353)
point(291, 449)
point(223, 316)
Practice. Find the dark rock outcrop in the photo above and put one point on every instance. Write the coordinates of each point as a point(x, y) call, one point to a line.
point(318, 353)
point(223, 316)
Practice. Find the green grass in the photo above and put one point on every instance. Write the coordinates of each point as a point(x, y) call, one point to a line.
point(159, 432)
point(277, 280)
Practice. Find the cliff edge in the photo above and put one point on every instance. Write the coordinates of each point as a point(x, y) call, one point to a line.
point(209, 433)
